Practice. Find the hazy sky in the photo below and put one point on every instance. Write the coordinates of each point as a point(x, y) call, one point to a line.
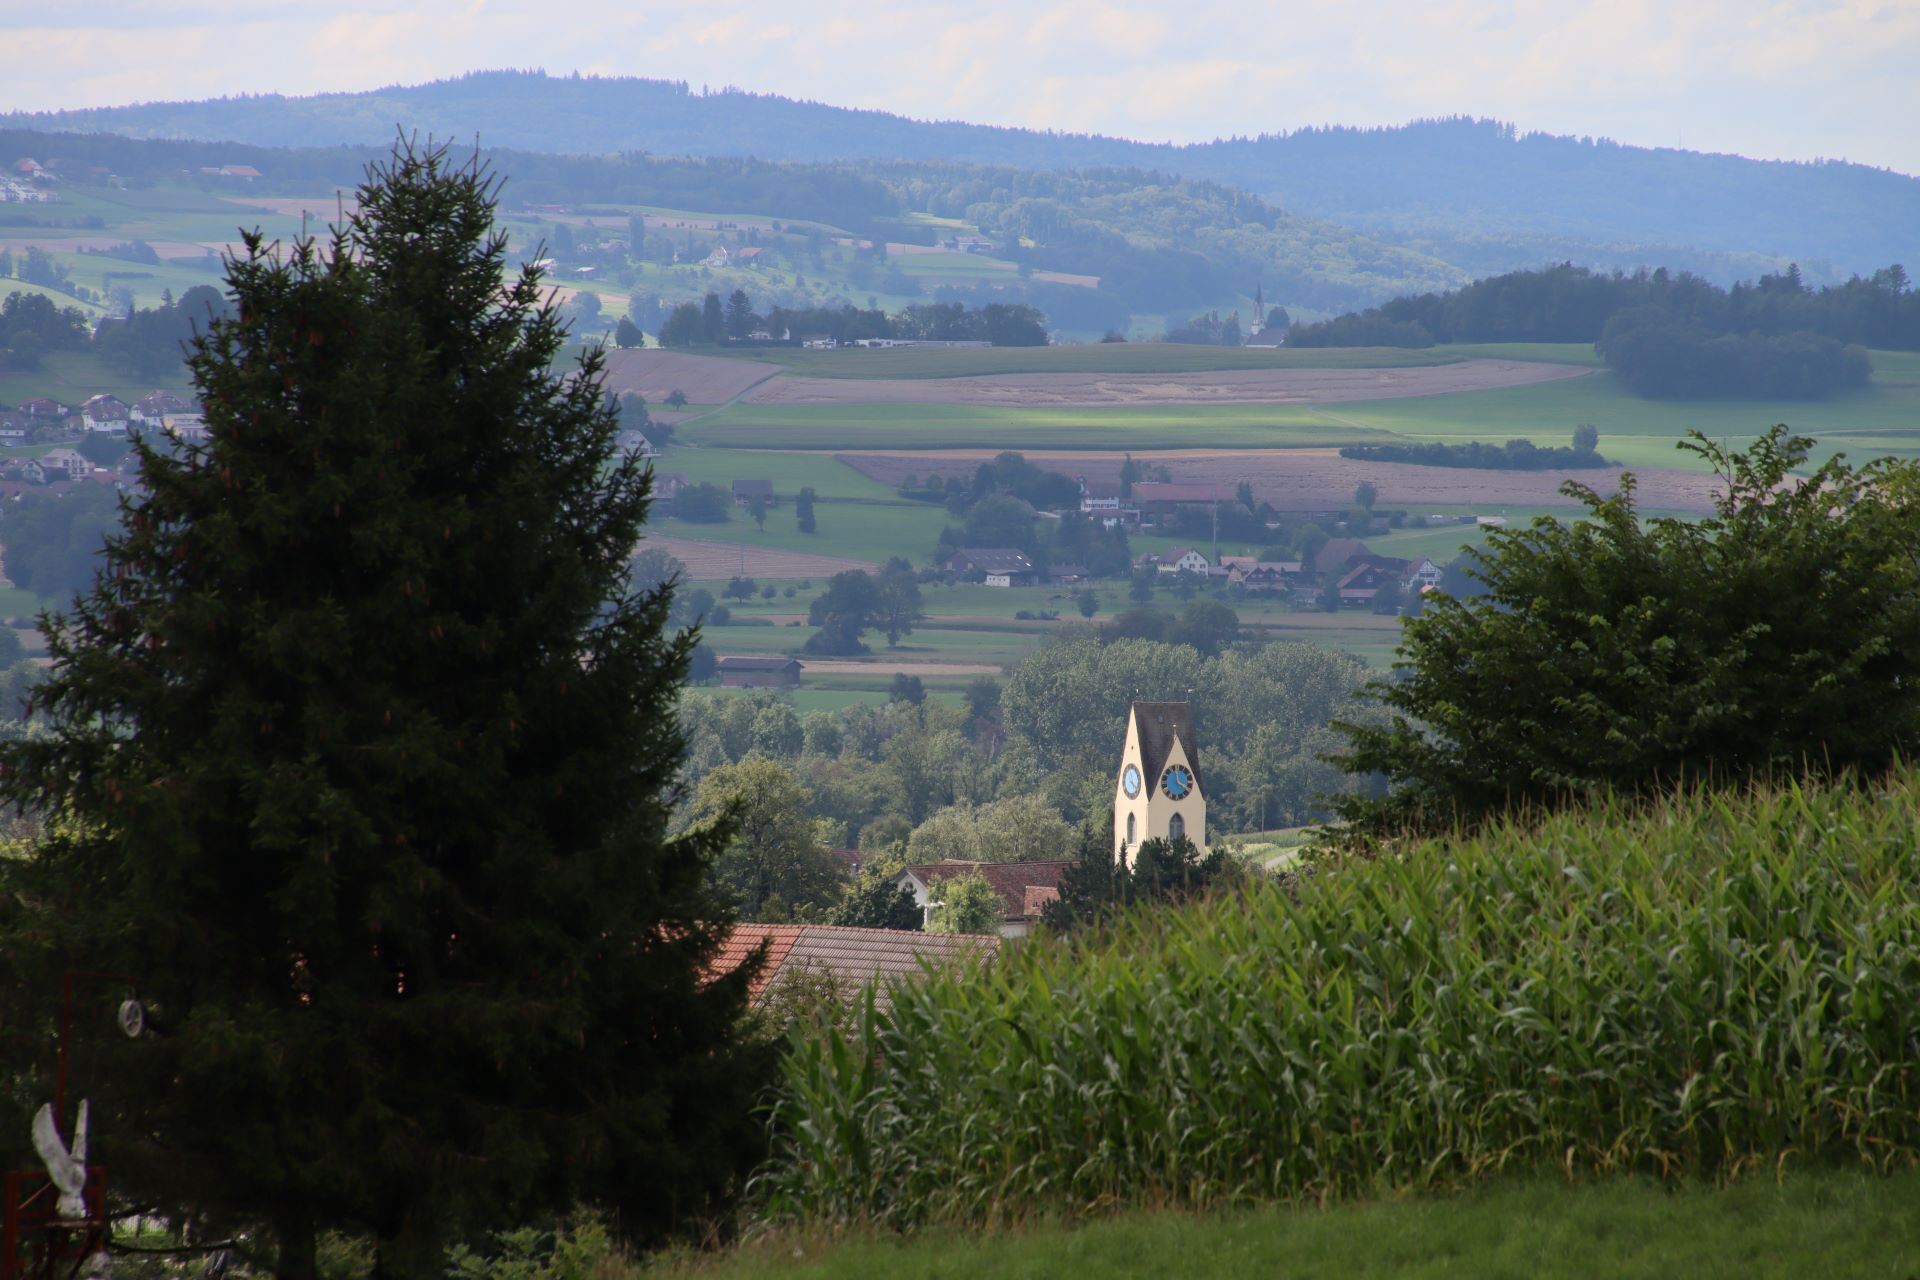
point(1772, 78)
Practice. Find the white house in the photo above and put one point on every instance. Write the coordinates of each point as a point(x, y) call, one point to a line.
point(1183, 560)
point(1025, 888)
point(65, 462)
point(1424, 574)
point(718, 258)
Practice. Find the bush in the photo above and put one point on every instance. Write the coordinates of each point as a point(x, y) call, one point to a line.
point(1688, 989)
point(1781, 635)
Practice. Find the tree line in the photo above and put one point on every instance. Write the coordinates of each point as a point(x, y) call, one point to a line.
point(1665, 333)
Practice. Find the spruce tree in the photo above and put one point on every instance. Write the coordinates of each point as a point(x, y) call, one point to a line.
point(361, 757)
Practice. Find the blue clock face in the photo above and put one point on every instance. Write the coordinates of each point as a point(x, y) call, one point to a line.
point(1176, 782)
point(1130, 781)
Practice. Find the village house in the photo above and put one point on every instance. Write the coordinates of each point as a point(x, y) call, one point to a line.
point(996, 566)
point(668, 484)
point(22, 471)
point(850, 959)
point(42, 409)
point(1423, 575)
point(151, 409)
point(188, 428)
point(1025, 888)
point(13, 429)
point(1159, 500)
point(745, 491)
point(65, 464)
point(718, 258)
point(106, 413)
point(758, 673)
point(636, 443)
point(1176, 560)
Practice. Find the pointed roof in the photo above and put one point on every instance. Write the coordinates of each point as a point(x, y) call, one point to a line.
point(1159, 724)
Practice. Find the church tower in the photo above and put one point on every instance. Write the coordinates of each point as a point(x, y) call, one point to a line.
point(1159, 793)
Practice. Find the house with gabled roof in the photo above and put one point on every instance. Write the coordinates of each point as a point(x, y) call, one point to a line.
point(853, 959)
point(996, 566)
point(152, 408)
point(1025, 888)
point(65, 464)
point(106, 413)
point(745, 491)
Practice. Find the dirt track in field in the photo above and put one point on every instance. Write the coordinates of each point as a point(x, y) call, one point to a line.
point(722, 559)
point(657, 374)
point(1320, 479)
point(1116, 390)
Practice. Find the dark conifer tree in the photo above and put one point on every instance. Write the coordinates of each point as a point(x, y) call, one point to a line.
point(362, 752)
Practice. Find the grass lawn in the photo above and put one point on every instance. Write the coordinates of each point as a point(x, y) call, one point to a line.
point(953, 426)
point(859, 531)
point(1832, 1224)
point(1580, 353)
point(1095, 357)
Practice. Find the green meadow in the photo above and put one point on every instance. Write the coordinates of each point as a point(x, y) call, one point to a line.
point(950, 426)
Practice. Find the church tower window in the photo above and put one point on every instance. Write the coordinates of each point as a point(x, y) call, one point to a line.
point(1130, 830)
point(1176, 828)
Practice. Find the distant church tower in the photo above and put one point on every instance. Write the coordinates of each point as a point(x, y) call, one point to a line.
point(1159, 793)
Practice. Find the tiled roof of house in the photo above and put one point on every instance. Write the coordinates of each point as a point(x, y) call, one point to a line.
point(1015, 882)
point(1334, 553)
point(1163, 491)
point(855, 957)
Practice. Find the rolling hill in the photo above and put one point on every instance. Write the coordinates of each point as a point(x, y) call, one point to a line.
point(1475, 193)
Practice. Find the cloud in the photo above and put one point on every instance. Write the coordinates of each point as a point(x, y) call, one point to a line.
point(1786, 78)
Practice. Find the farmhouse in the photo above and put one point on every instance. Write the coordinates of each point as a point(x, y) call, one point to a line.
point(106, 413)
point(1025, 888)
point(852, 959)
point(996, 566)
point(1176, 560)
point(1159, 500)
point(1159, 795)
point(13, 429)
point(152, 408)
point(759, 673)
point(668, 483)
point(745, 491)
point(65, 464)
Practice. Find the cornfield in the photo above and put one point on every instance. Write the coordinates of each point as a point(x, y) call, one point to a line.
point(1698, 987)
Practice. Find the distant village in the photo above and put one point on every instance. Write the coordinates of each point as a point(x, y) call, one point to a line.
point(42, 421)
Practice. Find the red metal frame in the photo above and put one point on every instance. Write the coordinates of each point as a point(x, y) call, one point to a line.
point(40, 1246)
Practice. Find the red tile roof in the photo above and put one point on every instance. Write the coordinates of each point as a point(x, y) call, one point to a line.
point(856, 957)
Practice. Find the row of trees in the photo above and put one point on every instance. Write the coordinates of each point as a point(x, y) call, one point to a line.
point(1514, 455)
point(710, 321)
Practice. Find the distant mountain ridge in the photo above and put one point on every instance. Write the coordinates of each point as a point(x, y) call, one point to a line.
point(1474, 193)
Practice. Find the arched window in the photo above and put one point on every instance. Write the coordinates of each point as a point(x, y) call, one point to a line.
point(1130, 829)
point(1176, 828)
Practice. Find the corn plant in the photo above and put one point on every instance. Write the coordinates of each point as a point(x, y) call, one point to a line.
point(1694, 986)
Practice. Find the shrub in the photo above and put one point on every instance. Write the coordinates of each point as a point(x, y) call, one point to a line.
point(1691, 988)
point(1780, 635)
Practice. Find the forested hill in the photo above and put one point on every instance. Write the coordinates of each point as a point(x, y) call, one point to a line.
point(1474, 193)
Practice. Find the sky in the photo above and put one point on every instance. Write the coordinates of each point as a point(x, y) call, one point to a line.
point(1785, 79)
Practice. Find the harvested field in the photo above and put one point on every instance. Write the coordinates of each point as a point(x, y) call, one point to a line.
point(704, 379)
point(1319, 479)
point(324, 208)
point(712, 560)
point(1115, 390)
